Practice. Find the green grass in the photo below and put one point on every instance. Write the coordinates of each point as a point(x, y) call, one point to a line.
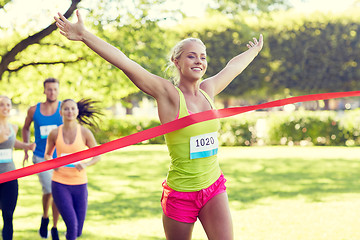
point(274, 193)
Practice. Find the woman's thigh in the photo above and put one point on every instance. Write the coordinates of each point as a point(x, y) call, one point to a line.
point(175, 230)
point(216, 219)
point(8, 197)
point(64, 202)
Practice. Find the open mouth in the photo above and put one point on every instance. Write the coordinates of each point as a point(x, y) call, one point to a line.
point(197, 68)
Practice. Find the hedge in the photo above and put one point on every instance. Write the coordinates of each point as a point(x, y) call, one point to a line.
point(319, 128)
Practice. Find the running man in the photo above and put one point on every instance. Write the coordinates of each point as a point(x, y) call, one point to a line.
point(46, 116)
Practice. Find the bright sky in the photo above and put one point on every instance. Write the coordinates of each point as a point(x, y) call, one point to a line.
point(325, 6)
point(28, 8)
point(193, 7)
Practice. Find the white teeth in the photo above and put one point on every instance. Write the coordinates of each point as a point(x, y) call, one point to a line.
point(197, 68)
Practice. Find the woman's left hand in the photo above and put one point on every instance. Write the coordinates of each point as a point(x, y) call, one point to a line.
point(80, 166)
point(73, 31)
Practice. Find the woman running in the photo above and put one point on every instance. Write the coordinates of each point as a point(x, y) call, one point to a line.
point(195, 186)
point(8, 190)
point(69, 183)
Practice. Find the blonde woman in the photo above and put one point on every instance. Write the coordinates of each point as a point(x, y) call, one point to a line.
point(195, 186)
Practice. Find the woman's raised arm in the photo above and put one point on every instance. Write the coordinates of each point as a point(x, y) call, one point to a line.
point(214, 85)
point(147, 82)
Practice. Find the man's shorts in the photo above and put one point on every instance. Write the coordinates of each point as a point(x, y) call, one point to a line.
point(44, 177)
point(186, 206)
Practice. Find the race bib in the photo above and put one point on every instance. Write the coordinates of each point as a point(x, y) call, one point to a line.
point(204, 145)
point(71, 165)
point(45, 130)
point(5, 155)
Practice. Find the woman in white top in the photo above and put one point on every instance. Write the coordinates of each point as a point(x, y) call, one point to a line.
point(8, 190)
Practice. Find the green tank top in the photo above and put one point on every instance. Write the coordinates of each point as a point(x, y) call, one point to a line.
point(193, 152)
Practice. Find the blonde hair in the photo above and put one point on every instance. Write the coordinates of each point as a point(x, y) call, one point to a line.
point(175, 53)
point(6, 97)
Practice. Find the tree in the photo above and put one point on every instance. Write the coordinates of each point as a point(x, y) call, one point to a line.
point(10, 56)
point(301, 55)
point(80, 71)
point(316, 55)
point(134, 32)
point(3, 3)
point(235, 7)
point(224, 39)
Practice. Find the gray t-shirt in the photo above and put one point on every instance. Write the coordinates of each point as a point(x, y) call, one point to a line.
point(6, 153)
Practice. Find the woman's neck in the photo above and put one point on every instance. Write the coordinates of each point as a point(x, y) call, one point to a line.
point(3, 121)
point(70, 124)
point(189, 87)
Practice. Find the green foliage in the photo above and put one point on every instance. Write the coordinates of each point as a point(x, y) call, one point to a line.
point(235, 7)
point(3, 3)
point(318, 128)
point(233, 132)
point(111, 129)
point(81, 72)
point(325, 128)
point(318, 54)
point(237, 131)
point(301, 54)
point(350, 125)
point(224, 39)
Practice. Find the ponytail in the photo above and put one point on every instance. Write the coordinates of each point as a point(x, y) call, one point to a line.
point(88, 113)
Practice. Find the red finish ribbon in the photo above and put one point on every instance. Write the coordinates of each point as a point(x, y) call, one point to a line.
point(161, 130)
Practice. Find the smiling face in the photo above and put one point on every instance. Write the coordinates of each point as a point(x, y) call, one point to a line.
point(191, 63)
point(5, 106)
point(69, 110)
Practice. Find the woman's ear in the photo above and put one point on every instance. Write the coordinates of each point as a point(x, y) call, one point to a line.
point(176, 62)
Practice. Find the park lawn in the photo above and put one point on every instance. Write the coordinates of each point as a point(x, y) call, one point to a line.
point(280, 193)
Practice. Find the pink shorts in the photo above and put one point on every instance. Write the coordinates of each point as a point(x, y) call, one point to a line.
point(185, 206)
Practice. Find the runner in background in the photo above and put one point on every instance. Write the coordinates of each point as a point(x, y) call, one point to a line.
point(69, 183)
point(46, 116)
point(8, 190)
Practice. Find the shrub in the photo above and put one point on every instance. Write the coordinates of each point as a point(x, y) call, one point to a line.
point(237, 131)
point(111, 129)
point(310, 127)
point(328, 128)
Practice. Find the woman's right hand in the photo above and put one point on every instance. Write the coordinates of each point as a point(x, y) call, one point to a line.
point(256, 44)
point(73, 31)
point(31, 146)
